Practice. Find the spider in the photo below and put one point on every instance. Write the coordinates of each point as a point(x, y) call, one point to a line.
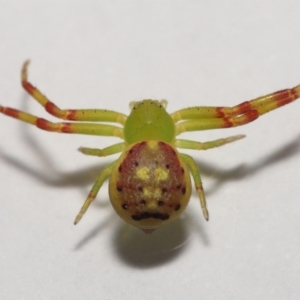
point(150, 183)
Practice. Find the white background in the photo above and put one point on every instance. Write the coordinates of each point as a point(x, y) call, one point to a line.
point(104, 54)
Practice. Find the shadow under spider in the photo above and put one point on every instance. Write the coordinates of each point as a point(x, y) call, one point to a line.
point(56, 178)
point(242, 171)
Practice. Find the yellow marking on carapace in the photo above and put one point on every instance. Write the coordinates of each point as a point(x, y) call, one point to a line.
point(152, 193)
point(161, 174)
point(152, 145)
point(143, 173)
point(147, 192)
point(152, 204)
point(157, 193)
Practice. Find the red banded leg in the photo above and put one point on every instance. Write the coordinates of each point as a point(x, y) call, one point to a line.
point(203, 118)
point(64, 127)
point(95, 115)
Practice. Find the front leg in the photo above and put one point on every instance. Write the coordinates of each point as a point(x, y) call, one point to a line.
point(92, 115)
point(203, 118)
point(64, 127)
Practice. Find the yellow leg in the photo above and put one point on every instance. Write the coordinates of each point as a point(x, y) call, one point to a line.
point(186, 144)
point(94, 191)
point(198, 183)
point(116, 148)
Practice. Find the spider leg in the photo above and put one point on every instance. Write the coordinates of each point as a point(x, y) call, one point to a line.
point(203, 118)
point(95, 115)
point(187, 144)
point(94, 191)
point(64, 127)
point(116, 148)
point(198, 184)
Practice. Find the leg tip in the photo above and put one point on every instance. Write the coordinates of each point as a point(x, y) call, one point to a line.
point(205, 213)
point(235, 138)
point(83, 150)
point(77, 219)
point(24, 70)
point(240, 136)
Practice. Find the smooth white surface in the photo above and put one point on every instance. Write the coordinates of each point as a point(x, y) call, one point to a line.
point(104, 54)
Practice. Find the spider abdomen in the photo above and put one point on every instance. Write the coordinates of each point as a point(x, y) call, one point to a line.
point(150, 184)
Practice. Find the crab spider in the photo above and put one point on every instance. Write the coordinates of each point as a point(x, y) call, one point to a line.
point(150, 182)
